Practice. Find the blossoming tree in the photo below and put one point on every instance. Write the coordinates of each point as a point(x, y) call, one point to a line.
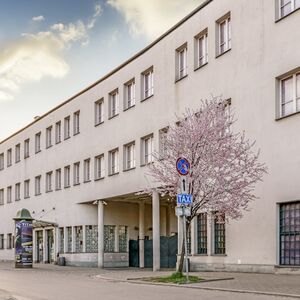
point(224, 164)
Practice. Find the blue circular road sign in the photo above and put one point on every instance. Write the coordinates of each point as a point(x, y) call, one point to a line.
point(182, 166)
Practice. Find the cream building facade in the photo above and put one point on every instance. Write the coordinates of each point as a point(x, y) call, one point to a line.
point(79, 167)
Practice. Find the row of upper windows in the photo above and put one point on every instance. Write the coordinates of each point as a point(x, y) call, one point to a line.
point(129, 162)
point(48, 140)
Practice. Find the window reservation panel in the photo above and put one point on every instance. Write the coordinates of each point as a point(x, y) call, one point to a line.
point(78, 239)
point(219, 226)
point(123, 236)
point(69, 240)
point(202, 233)
point(109, 238)
point(290, 234)
point(61, 240)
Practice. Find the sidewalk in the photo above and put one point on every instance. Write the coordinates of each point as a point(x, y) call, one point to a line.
point(272, 284)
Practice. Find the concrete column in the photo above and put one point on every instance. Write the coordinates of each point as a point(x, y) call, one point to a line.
point(142, 233)
point(168, 220)
point(56, 242)
point(65, 240)
point(84, 238)
point(45, 246)
point(210, 234)
point(100, 234)
point(156, 231)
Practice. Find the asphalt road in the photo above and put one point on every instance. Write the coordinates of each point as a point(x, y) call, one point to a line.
point(73, 284)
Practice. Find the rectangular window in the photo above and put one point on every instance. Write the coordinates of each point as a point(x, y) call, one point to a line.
point(113, 104)
point(202, 233)
point(67, 176)
point(49, 137)
point(109, 238)
point(123, 238)
point(38, 142)
point(147, 84)
point(76, 122)
point(17, 153)
point(49, 182)
point(87, 170)
point(1, 161)
point(287, 6)
point(1, 241)
point(219, 234)
point(147, 149)
point(290, 94)
point(67, 127)
point(99, 167)
point(9, 244)
point(26, 148)
point(58, 179)
point(181, 62)
point(129, 156)
point(61, 246)
point(18, 191)
point(9, 196)
point(26, 189)
point(69, 241)
point(290, 234)
point(1, 196)
point(58, 132)
point(114, 161)
point(224, 34)
point(92, 239)
point(99, 111)
point(78, 239)
point(37, 185)
point(76, 173)
point(9, 157)
point(201, 49)
point(129, 94)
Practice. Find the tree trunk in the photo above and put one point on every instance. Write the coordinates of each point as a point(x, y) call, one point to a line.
point(181, 260)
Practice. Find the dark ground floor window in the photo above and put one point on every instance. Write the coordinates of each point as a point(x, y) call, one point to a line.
point(290, 234)
point(202, 233)
point(219, 229)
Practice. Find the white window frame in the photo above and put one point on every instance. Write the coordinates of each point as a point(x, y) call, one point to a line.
point(113, 103)
point(147, 80)
point(2, 159)
point(38, 142)
point(58, 179)
point(226, 20)
point(26, 188)
point(37, 185)
point(76, 173)
point(182, 67)
point(18, 191)
point(9, 157)
point(9, 194)
point(49, 182)
point(26, 148)
point(99, 167)
point(2, 197)
point(201, 41)
point(129, 156)
point(18, 153)
point(76, 122)
point(295, 98)
point(67, 132)
point(99, 111)
point(67, 176)
point(129, 94)
point(49, 137)
point(293, 4)
point(58, 132)
point(113, 161)
point(87, 170)
point(147, 148)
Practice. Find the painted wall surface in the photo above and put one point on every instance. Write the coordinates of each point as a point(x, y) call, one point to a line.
point(262, 49)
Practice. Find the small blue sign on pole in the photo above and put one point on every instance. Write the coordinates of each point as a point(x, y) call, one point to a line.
point(182, 166)
point(184, 199)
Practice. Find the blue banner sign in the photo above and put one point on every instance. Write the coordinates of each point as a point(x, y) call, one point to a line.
point(184, 199)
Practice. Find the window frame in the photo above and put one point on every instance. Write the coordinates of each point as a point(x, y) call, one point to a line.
point(26, 148)
point(99, 166)
point(99, 111)
point(203, 35)
point(58, 132)
point(76, 122)
point(226, 19)
point(113, 105)
point(145, 94)
point(37, 146)
point(49, 186)
point(129, 164)
point(129, 86)
point(114, 163)
point(181, 65)
point(49, 137)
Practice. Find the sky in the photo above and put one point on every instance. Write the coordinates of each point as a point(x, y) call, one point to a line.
point(50, 50)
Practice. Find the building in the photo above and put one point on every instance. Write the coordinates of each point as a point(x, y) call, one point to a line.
point(78, 168)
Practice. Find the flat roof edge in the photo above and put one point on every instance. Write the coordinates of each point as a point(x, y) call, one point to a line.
point(138, 54)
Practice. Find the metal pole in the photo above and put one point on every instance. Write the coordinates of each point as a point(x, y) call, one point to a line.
point(185, 249)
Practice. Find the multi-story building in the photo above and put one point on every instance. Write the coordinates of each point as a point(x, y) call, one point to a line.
point(78, 168)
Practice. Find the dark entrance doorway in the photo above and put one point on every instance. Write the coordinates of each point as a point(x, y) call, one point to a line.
point(50, 246)
point(168, 252)
point(39, 246)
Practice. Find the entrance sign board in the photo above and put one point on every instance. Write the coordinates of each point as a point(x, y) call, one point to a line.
point(184, 199)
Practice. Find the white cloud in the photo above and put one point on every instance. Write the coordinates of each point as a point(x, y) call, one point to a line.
point(38, 18)
point(152, 18)
point(36, 56)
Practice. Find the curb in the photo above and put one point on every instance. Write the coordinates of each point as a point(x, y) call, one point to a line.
point(135, 281)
